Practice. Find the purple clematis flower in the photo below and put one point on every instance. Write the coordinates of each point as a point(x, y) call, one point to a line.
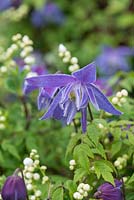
point(112, 60)
point(50, 13)
point(109, 192)
point(14, 188)
point(6, 4)
point(75, 92)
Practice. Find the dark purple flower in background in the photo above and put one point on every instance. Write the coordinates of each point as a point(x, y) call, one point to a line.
point(112, 60)
point(50, 13)
point(14, 188)
point(103, 85)
point(109, 192)
point(6, 4)
point(75, 92)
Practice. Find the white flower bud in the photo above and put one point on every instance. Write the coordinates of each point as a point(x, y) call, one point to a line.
point(14, 47)
point(119, 94)
point(86, 187)
point(2, 118)
point(125, 156)
point(71, 167)
point(124, 179)
point(34, 151)
point(28, 175)
point(16, 37)
point(30, 169)
point(61, 54)
point(36, 176)
point(72, 162)
point(66, 59)
point(32, 197)
point(117, 163)
point(124, 92)
point(77, 195)
point(81, 191)
point(123, 100)
point(29, 75)
point(80, 186)
point(43, 167)
point(29, 187)
point(45, 179)
point(100, 126)
point(74, 60)
point(120, 167)
point(36, 162)
point(85, 194)
point(68, 54)
point(27, 161)
point(114, 100)
point(3, 69)
point(38, 193)
point(62, 48)
point(29, 60)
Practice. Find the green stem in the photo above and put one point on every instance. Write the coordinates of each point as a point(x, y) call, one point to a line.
point(90, 113)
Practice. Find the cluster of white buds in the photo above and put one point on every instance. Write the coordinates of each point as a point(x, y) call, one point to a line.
point(72, 164)
point(120, 97)
point(33, 172)
point(67, 58)
point(121, 162)
point(21, 44)
point(2, 121)
point(82, 191)
point(14, 14)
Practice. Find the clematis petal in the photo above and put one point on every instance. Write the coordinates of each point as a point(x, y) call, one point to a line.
point(84, 119)
point(65, 93)
point(103, 102)
point(71, 112)
point(52, 106)
point(28, 88)
point(53, 80)
point(87, 74)
point(43, 100)
point(92, 98)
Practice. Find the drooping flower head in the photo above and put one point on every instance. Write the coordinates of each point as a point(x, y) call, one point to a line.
point(109, 192)
point(112, 60)
point(50, 13)
point(14, 188)
point(75, 92)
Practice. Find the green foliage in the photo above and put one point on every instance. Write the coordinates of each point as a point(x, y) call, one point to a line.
point(87, 27)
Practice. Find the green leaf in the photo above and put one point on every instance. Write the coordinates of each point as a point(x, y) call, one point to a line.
point(131, 180)
point(71, 186)
point(73, 142)
point(81, 154)
point(104, 168)
point(93, 133)
point(79, 174)
point(116, 147)
point(131, 138)
point(6, 146)
point(99, 150)
point(57, 194)
point(87, 150)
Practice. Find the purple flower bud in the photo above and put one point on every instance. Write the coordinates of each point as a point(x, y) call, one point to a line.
point(14, 188)
point(109, 192)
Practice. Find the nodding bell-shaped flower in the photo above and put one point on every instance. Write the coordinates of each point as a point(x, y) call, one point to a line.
point(14, 188)
point(109, 192)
